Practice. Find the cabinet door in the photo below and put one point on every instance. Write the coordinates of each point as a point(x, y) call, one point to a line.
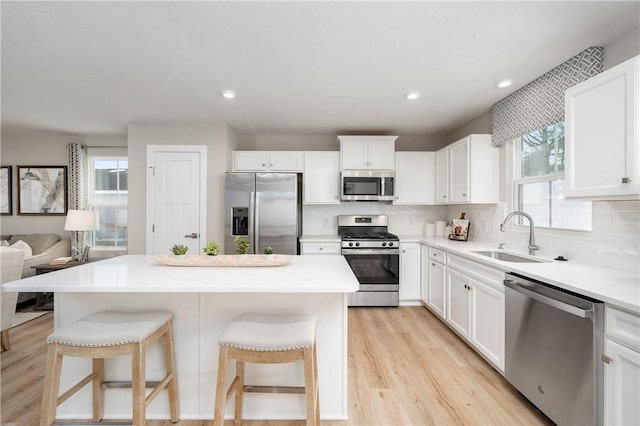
point(459, 171)
point(602, 138)
point(458, 297)
point(415, 178)
point(487, 322)
point(320, 248)
point(286, 161)
point(442, 176)
point(424, 274)
point(622, 385)
point(250, 161)
point(354, 154)
point(381, 154)
point(321, 175)
point(409, 271)
point(437, 288)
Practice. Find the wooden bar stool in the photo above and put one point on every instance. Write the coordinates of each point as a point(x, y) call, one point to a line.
point(109, 334)
point(267, 339)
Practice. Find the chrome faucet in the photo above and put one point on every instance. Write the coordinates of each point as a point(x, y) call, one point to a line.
point(532, 238)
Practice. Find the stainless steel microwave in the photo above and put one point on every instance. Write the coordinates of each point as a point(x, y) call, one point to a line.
point(367, 185)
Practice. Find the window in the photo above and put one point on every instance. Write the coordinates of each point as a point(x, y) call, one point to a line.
point(108, 196)
point(539, 181)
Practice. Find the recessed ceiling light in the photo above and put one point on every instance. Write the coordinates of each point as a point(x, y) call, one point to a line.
point(229, 94)
point(503, 84)
point(412, 95)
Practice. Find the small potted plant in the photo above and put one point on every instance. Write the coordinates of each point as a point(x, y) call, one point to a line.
point(268, 250)
point(212, 249)
point(243, 246)
point(179, 249)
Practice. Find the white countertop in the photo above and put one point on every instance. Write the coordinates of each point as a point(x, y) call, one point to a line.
point(621, 289)
point(138, 273)
point(320, 239)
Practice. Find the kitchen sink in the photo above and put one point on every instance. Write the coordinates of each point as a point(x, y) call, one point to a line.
point(508, 257)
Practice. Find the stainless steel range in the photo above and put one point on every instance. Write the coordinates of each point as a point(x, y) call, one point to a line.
point(374, 256)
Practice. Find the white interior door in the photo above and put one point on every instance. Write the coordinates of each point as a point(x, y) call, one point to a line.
point(176, 203)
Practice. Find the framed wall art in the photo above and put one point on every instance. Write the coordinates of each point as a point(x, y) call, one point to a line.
point(42, 190)
point(5, 191)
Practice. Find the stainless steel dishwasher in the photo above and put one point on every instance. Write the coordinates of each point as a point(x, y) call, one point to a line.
point(553, 349)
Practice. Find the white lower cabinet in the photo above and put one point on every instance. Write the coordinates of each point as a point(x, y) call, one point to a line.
point(437, 287)
point(487, 322)
point(320, 248)
point(473, 304)
point(622, 371)
point(458, 302)
point(410, 271)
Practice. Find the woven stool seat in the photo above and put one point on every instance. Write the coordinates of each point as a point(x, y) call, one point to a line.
point(111, 328)
point(257, 332)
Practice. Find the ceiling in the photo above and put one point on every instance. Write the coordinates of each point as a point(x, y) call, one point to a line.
point(298, 67)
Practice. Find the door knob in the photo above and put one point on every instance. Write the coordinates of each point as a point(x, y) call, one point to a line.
point(192, 235)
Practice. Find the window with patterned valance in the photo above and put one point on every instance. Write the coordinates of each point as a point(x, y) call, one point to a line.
point(540, 103)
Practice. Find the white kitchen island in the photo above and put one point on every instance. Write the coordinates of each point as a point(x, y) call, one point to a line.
point(204, 300)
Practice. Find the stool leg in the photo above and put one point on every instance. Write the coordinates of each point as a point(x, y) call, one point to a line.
point(97, 391)
point(138, 385)
point(169, 362)
point(6, 344)
point(51, 386)
point(317, 383)
point(309, 387)
point(239, 393)
point(221, 392)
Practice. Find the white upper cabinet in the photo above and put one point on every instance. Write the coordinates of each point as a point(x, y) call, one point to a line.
point(473, 170)
point(267, 161)
point(467, 171)
point(367, 152)
point(321, 173)
point(442, 175)
point(602, 148)
point(415, 178)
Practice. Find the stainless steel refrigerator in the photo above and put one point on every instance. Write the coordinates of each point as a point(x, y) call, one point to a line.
point(264, 209)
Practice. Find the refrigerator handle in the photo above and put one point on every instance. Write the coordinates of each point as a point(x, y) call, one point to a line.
point(256, 226)
point(252, 218)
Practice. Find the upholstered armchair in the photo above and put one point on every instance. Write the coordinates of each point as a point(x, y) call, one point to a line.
point(11, 261)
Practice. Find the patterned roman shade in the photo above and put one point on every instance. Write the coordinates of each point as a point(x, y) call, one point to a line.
point(541, 102)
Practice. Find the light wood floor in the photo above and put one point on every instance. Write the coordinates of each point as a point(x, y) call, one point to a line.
point(405, 368)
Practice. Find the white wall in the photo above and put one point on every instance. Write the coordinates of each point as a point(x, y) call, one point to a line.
point(624, 48)
point(328, 142)
point(214, 136)
point(27, 147)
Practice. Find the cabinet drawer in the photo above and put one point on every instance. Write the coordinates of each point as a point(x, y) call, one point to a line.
point(482, 273)
point(437, 255)
point(623, 327)
point(320, 248)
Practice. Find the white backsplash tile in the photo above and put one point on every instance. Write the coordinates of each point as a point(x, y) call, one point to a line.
point(613, 243)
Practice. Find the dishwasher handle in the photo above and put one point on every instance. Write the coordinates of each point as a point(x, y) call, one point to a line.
point(528, 289)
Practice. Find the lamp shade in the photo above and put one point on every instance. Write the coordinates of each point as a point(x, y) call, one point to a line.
point(82, 220)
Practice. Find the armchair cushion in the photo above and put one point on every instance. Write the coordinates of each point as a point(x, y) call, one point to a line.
point(21, 245)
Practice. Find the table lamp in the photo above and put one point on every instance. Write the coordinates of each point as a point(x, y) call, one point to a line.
point(81, 221)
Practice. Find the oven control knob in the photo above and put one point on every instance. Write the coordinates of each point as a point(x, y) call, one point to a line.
point(384, 244)
point(350, 244)
point(390, 244)
point(357, 244)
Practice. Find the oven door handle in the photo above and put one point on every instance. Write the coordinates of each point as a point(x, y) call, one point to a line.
point(370, 251)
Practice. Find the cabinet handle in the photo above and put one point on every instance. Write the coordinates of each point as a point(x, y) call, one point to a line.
point(606, 359)
point(404, 251)
point(433, 264)
point(626, 180)
point(263, 164)
point(464, 194)
point(321, 248)
point(444, 196)
point(270, 164)
point(192, 235)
